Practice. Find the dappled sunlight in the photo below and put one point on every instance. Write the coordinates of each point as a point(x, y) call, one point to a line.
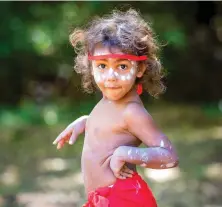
point(10, 176)
point(41, 40)
point(41, 95)
point(162, 175)
point(57, 178)
point(214, 171)
point(50, 116)
point(188, 133)
point(68, 182)
point(54, 164)
point(217, 132)
point(49, 199)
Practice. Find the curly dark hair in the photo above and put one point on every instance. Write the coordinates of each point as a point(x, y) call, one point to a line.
point(132, 34)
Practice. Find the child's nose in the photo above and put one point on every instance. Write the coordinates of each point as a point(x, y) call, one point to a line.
point(111, 74)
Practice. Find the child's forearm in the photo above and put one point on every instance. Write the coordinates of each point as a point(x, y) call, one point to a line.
point(153, 157)
point(80, 124)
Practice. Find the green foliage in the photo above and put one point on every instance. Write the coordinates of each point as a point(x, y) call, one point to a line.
point(41, 95)
point(35, 46)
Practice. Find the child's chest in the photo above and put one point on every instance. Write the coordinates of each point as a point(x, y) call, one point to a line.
point(105, 120)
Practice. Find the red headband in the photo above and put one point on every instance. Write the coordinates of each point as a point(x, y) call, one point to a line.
point(121, 56)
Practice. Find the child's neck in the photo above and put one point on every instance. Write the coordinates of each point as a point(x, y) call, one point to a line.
point(130, 96)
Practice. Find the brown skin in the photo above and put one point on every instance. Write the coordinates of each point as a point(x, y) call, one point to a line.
point(129, 31)
point(107, 134)
point(115, 128)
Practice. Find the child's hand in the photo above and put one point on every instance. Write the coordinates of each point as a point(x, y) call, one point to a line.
point(67, 136)
point(120, 170)
point(71, 132)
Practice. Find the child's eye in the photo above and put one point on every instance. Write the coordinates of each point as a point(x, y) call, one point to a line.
point(101, 66)
point(123, 67)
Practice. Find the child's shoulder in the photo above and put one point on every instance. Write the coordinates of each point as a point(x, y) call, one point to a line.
point(135, 110)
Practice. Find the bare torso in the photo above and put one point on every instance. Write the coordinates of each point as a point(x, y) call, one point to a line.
point(105, 131)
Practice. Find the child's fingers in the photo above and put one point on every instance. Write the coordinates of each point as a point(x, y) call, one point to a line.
point(72, 138)
point(118, 175)
point(63, 141)
point(66, 138)
point(127, 170)
point(121, 177)
point(61, 144)
point(62, 135)
point(125, 174)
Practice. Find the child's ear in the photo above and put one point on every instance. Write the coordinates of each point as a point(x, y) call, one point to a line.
point(141, 70)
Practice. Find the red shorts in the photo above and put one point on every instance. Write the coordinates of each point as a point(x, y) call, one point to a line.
point(130, 192)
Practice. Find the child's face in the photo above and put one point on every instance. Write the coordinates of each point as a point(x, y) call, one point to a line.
point(115, 77)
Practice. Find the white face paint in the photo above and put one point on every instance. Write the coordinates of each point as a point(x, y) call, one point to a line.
point(123, 77)
point(128, 77)
point(143, 165)
point(145, 157)
point(96, 74)
point(162, 144)
point(98, 78)
point(170, 164)
point(132, 70)
point(116, 74)
point(111, 71)
point(103, 74)
point(133, 63)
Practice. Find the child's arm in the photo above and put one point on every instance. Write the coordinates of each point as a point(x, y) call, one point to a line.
point(159, 155)
point(71, 132)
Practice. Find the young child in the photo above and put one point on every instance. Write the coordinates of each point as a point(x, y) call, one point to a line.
point(118, 55)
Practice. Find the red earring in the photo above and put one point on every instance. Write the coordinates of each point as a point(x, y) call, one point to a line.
point(139, 89)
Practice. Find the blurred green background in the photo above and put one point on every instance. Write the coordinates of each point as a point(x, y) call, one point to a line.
point(41, 95)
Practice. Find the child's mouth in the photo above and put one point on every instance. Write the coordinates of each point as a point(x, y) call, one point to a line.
point(113, 87)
